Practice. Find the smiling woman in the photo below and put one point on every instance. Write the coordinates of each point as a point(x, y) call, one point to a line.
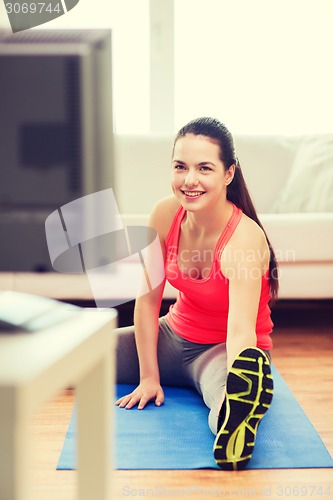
point(192, 179)
point(198, 170)
point(216, 337)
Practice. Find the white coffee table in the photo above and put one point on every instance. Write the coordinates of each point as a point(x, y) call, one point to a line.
point(34, 367)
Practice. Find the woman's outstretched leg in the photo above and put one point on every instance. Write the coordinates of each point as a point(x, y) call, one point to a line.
point(237, 400)
point(208, 373)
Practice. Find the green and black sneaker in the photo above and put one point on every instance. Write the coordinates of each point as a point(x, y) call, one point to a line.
point(249, 392)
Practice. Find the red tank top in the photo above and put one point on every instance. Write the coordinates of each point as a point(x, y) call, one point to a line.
point(200, 313)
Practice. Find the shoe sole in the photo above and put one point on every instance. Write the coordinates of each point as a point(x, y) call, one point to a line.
point(249, 393)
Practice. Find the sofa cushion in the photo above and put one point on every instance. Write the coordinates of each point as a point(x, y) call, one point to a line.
point(306, 237)
point(266, 161)
point(306, 281)
point(142, 171)
point(309, 187)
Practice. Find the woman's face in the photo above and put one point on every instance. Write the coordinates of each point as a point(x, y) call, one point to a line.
point(198, 178)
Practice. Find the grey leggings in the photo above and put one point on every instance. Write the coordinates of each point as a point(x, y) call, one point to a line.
point(181, 363)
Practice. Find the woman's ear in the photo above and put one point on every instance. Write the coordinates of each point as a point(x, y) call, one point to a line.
point(230, 174)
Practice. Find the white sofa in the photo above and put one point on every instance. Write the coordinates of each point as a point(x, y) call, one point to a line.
point(290, 180)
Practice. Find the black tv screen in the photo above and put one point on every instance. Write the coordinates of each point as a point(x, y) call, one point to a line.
point(56, 132)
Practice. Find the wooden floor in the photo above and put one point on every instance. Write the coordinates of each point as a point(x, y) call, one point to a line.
point(303, 353)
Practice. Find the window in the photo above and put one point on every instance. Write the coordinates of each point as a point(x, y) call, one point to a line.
point(260, 66)
point(129, 21)
point(130, 25)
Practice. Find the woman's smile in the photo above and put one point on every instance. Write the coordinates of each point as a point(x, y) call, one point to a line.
point(192, 195)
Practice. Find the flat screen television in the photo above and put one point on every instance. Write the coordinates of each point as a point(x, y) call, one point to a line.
point(56, 133)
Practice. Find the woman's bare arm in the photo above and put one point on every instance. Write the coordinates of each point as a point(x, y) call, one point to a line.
point(244, 263)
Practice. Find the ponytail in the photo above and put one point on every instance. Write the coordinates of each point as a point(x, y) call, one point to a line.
point(237, 193)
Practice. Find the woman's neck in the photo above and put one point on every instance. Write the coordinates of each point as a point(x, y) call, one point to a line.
point(206, 222)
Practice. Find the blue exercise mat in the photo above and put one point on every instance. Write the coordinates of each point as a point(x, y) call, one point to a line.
point(176, 435)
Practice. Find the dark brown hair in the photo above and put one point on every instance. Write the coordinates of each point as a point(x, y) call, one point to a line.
point(237, 191)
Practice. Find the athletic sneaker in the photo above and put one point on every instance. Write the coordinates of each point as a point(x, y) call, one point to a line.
point(249, 393)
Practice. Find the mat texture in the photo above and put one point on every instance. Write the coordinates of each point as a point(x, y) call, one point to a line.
point(176, 435)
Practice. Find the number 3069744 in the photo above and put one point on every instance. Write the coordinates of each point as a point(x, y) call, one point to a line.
point(32, 8)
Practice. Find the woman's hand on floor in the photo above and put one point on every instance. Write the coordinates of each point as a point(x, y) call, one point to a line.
point(147, 390)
